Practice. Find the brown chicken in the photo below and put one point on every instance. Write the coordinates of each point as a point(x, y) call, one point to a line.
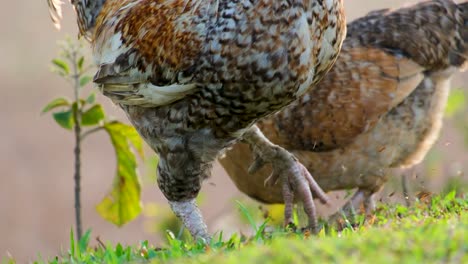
point(380, 107)
point(194, 75)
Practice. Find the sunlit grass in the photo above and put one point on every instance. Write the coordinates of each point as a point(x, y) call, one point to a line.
point(434, 230)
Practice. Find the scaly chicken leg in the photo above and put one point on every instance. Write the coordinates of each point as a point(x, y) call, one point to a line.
point(190, 215)
point(362, 196)
point(294, 177)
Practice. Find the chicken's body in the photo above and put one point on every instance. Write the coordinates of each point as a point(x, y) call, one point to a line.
point(380, 106)
point(194, 75)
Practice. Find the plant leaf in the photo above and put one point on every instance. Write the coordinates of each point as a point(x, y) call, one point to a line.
point(91, 98)
point(61, 66)
point(84, 242)
point(72, 243)
point(64, 119)
point(456, 102)
point(122, 204)
point(58, 102)
point(85, 80)
point(93, 116)
point(247, 214)
point(80, 63)
point(134, 138)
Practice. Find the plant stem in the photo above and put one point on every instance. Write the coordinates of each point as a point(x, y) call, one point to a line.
point(77, 149)
point(91, 131)
point(96, 129)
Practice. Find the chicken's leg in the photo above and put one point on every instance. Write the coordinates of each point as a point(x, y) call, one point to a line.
point(181, 171)
point(353, 206)
point(295, 178)
point(192, 219)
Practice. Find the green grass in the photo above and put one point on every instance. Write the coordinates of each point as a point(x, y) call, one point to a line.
point(435, 231)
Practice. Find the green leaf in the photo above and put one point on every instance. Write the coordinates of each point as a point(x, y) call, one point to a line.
point(92, 116)
point(80, 63)
point(72, 243)
point(122, 204)
point(64, 119)
point(456, 102)
point(91, 98)
point(85, 80)
point(58, 102)
point(61, 66)
point(247, 214)
point(134, 138)
point(450, 196)
point(83, 243)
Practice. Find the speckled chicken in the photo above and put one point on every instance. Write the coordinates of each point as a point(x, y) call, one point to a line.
point(193, 76)
point(380, 107)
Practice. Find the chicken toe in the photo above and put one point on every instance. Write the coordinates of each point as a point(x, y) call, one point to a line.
point(295, 178)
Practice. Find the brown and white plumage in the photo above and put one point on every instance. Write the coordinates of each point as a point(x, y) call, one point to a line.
point(194, 75)
point(380, 106)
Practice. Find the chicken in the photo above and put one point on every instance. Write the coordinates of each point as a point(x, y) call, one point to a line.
point(380, 107)
point(193, 76)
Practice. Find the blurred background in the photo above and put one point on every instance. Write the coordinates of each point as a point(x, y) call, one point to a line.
point(36, 155)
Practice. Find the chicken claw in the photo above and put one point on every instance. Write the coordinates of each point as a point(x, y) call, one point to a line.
point(294, 177)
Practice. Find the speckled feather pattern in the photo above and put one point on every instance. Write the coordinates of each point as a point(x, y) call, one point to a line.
point(193, 75)
point(380, 107)
point(396, 61)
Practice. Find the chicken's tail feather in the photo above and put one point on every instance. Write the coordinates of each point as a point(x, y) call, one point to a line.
point(434, 34)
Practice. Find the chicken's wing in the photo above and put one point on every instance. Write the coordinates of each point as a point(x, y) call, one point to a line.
point(380, 106)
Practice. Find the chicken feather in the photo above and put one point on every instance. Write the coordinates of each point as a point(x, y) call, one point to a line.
point(194, 75)
point(380, 106)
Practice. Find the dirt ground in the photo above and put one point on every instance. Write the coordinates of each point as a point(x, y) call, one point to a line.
point(36, 183)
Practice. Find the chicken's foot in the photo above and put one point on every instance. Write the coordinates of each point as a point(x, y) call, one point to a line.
point(191, 217)
point(295, 178)
point(361, 197)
